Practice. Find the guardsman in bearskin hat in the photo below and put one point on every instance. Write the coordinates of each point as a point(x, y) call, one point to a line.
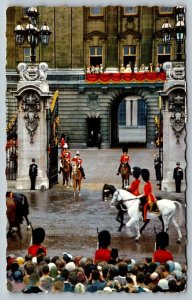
point(38, 236)
point(147, 192)
point(124, 159)
point(161, 254)
point(104, 240)
point(134, 187)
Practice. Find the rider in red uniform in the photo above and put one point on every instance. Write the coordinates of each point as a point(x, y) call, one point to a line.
point(147, 189)
point(134, 187)
point(79, 162)
point(124, 159)
point(65, 154)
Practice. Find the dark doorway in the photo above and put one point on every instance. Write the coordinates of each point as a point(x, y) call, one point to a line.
point(93, 128)
point(129, 60)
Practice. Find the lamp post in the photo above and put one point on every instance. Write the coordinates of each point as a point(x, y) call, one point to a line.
point(160, 137)
point(178, 32)
point(31, 33)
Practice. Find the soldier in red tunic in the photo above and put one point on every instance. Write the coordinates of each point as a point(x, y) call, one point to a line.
point(147, 189)
point(79, 162)
point(134, 187)
point(124, 159)
point(65, 154)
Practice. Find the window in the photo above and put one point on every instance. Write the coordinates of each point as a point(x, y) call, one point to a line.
point(165, 10)
point(26, 54)
point(141, 113)
point(96, 11)
point(95, 54)
point(164, 53)
point(130, 11)
point(129, 55)
point(122, 113)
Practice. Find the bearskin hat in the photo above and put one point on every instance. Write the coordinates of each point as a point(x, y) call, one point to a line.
point(162, 240)
point(104, 238)
point(136, 172)
point(38, 235)
point(145, 174)
point(125, 149)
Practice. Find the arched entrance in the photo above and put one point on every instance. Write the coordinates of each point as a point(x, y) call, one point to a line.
point(128, 121)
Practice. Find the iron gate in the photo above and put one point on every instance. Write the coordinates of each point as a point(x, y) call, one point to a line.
point(53, 121)
point(11, 149)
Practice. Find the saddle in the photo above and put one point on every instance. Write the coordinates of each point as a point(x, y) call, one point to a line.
point(153, 208)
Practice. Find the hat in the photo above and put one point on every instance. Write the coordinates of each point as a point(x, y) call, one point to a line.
point(163, 283)
point(77, 153)
point(162, 240)
point(154, 275)
point(171, 265)
point(18, 276)
point(67, 256)
point(177, 266)
point(145, 174)
point(11, 258)
point(136, 172)
point(33, 160)
point(178, 275)
point(20, 260)
point(70, 266)
point(65, 146)
point(38, 235)
point(178, 163)
point(125, 149)
point(104, 238)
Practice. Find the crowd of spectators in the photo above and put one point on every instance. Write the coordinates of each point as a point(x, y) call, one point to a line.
point(106, 272)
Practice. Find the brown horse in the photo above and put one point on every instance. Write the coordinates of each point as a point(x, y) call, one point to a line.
point(77, 177)
point(125, 172)
point(17, 209)
point(66, 172)
point(13, 219)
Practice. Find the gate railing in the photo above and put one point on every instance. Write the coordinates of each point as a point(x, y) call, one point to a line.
point(11, 149)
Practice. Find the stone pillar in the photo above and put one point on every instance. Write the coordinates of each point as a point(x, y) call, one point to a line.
point(33, 101)
point(174, 119)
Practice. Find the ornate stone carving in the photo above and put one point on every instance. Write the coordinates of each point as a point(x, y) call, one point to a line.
point(177, 118)
point(32, 72)
point(174, 71)
point(31, 105)
point(93, 101)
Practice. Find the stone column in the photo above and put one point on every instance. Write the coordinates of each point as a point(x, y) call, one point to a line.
point(33, 101)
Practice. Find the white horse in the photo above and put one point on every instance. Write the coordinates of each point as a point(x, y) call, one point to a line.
point(167, 211)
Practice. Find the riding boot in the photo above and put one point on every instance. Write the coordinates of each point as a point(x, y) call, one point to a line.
point(119, 170)
point(82, 172)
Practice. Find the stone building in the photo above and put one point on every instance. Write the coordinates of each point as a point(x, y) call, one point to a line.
point(90, 54)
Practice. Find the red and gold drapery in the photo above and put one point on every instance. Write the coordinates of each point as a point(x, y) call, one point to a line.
point(125, 77)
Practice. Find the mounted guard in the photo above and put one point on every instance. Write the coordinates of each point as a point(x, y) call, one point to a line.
point(124, 167)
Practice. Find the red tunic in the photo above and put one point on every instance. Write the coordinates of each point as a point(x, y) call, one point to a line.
point(77, 160)
point(134, 188)
point(147, 189)
point(124, 158)
point(102, 255)
point(162, 256)
point(34, 248)
point(62, 142)
point(66, 154)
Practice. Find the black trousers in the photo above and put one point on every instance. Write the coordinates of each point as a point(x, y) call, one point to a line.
point(82, 171)
point(33, 180)
point(178, 185)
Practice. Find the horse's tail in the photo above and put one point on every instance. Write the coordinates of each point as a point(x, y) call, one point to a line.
point(180, 212)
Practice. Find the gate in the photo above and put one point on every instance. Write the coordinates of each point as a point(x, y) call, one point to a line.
point(53, 121)
point(11, 149)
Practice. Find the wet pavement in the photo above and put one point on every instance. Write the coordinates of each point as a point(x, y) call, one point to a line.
point(71, 223)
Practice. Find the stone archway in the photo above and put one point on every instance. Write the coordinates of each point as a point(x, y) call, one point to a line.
point(151, 104)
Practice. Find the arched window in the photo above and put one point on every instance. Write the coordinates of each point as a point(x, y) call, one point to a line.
point(122, 113)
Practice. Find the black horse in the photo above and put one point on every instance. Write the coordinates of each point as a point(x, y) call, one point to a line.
point(107, 193)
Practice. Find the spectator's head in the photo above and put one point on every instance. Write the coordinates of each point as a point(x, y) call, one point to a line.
point(45, 269)
point(79, 288)
point(140, 277)
point(65, 274)
point(18, 276)
point(52, 270)
point(95, 274)
point(28, 257)
point(46, 284)
point(57, 286)
point(122, 269)
point(104, 238)
point(67, 257)
point(29, 268)
point(163, 284)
